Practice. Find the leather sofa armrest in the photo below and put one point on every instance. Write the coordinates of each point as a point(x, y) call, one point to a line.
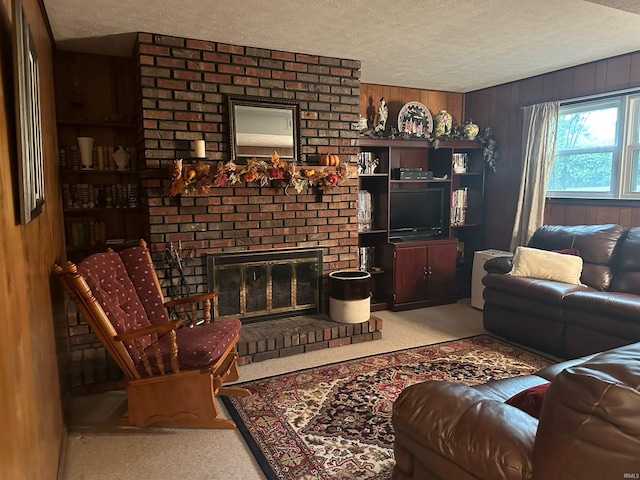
point(484, 437)
point(498, 265)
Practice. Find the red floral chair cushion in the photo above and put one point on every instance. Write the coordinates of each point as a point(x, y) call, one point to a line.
point(197, 346)
point(141, 274)
point(109, 281)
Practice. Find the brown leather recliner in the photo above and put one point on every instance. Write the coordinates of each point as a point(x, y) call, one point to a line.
point(589, 426)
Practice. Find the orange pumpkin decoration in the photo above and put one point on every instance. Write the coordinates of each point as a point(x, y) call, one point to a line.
point(329, 160)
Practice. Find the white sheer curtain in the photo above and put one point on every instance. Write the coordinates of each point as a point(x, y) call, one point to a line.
point(539, 139)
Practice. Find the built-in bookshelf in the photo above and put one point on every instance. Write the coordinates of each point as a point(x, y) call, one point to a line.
point(95, 99)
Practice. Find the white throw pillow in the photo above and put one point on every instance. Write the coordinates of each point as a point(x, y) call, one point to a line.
point(545, 265)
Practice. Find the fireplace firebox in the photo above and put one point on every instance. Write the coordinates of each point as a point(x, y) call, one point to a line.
point(256, 286)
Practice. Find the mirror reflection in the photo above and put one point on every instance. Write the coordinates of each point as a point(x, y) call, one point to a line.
point(259, 127)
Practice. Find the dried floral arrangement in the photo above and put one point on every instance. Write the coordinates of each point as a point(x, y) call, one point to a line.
point(198, 179)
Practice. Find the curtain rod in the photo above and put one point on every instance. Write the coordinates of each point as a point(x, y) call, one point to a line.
point(588, 98)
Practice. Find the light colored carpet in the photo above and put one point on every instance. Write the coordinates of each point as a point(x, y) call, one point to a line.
point(98, 449)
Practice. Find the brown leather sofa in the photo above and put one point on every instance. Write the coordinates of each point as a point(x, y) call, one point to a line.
point(566, 320)
point(589, 425)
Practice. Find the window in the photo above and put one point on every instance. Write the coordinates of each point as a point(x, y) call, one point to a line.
point(597, 150)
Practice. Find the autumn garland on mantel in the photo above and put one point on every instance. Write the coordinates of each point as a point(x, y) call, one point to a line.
point(199, 178)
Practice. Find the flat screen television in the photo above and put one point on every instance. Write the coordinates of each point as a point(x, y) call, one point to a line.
point(416, 213)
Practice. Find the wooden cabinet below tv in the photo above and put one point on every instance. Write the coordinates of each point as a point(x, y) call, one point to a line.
point(423, 273)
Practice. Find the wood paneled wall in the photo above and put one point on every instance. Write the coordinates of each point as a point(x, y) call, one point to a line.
point(32, 425)
point(577, 213)
point(500, 108)
point(396, 97)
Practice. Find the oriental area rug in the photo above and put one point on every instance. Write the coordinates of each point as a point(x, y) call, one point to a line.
point(334, 421)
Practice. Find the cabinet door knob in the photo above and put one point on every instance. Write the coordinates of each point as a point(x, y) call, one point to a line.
point(427, 272)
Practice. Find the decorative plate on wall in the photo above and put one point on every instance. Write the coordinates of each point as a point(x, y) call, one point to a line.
point(415, 120)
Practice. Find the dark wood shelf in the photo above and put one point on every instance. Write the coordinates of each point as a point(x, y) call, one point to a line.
point(101, 247)
point(464, 225)
point(384, 142)
point(433, 180)
point(82, 123)
point(100, 209)
point(369, 175)
point(93, 171)
point(367, 232)
point(416, 142)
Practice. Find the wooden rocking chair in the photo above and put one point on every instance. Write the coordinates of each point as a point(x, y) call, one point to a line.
point(172, 374)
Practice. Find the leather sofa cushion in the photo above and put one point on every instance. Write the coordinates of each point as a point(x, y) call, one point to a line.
point(589, 424)
point(625, 305)
point(596, 244)
point(627, 264)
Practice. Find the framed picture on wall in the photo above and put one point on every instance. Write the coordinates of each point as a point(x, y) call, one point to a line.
point(28, 120)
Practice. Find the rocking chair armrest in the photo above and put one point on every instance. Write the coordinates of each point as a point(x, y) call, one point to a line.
point(141, 332)
point(191, 299)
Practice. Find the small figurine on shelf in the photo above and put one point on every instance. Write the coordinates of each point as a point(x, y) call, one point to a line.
point(121, 157)
point(383, 113)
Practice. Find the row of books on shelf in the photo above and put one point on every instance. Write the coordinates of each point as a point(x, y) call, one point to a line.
point(458, 206)
point(84, 195)
point(87, 233)
point(101, 156)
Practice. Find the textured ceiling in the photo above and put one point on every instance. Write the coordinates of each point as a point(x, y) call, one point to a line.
point(453, 45)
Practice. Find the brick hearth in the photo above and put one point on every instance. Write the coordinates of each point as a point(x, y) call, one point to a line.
point(293, 335)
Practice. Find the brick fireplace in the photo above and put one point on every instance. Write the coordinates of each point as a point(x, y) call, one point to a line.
point(183, 86)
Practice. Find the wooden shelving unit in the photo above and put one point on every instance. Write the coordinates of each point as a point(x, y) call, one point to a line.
point(459, 240)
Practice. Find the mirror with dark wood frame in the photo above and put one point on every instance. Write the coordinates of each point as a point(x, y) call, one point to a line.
point(258, 126)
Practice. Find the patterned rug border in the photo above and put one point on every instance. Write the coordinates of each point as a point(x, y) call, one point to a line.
point(253, 444)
